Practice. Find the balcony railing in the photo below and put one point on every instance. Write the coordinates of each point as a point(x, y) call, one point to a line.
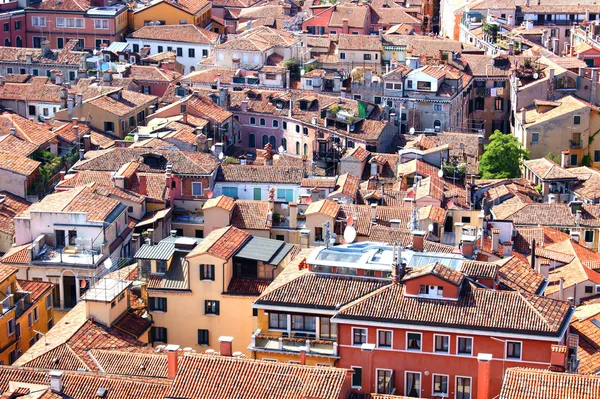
point(263, 342)
point(7, 303)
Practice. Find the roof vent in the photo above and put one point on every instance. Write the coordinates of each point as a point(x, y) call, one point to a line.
point(101, 393)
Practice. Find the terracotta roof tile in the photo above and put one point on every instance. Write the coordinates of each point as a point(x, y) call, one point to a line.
point(251, 215)
point(123, 102)
point(326, 207)
point(10, 206)
point(133, 324)
point(6, 271)
point(17, 255)
point(18, 164)
point(516, 273)
point(130, 363)
point(260, 174)
point(177, 33)
point(221, 201)
point(223, 243)
point(247, 286)
point(36, 288)
point(522, 383)
point(438, 270)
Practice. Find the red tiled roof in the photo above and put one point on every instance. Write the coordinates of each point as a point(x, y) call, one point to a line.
point(221, 201)
point(247, 286)
point(522, 383)
point(10, 207)
point(36, 288)
point(223, 243)
point(218, 377)
point(252, 215)
point(133, 324)
point(6, 271)
point(438, 270)
point(516, 273)
point(188, 33)
point(17, 255)
point(131, 363)
point(325, 207)
point(18, 164)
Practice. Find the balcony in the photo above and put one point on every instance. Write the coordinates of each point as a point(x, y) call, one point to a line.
point(72, 255)
point(188, 218)
point(267, 343)
point(7, 303)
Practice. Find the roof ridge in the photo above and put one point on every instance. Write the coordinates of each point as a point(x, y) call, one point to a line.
point(528, 303)
point(299, 273)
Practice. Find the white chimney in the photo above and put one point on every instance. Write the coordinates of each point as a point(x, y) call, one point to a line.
point(56, 381)
point(374, 212)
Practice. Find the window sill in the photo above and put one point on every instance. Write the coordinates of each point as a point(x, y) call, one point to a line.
point(208, 280)
point(414, 350)
point(210, 314)
point(464, 354)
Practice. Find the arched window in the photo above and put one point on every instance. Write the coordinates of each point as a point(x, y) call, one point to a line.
point(19, 41)
point(297, 148)
point(252, 120)
point(252, 141)
point(297, 128)
point(305, 131)
point(566, 82)
point(275, 123)
point(263, 122)
point(273, 142)
point(265, 140)
point(7, 42)
point(305, 149)
point(437, 125)
point(284, 143)
point(284, 124)
point(192, 69)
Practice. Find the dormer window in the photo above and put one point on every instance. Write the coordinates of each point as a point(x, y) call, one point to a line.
point(431, 290)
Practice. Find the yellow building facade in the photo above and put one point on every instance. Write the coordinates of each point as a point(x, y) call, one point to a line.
point(168, 13)
point(27, 313)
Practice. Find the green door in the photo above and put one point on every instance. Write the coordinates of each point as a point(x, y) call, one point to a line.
point(257, 194)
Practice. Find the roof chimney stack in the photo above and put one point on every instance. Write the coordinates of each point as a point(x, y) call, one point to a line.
point(56, 384)
point(225, 345)
point(172, 361)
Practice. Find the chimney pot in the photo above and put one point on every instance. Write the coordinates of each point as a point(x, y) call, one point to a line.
point(172, 360)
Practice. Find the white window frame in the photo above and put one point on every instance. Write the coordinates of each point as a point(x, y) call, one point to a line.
point(441, 335)
point(506, 349)
point(361, 369)
point(60, 24)
point(195, 183)
point(456, 377)
point(421, 341)
point(36, 314)
point(49, 301)
point(433, 393)
point(406, 379)
point(41, 21)
point(391, 340)
point(101, 24)
point(472, 343)
point(14, 327)
point(377, 372)
point(440, 106)
point(366, 335)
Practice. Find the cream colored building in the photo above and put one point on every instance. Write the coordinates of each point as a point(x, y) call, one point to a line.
point(199, 292)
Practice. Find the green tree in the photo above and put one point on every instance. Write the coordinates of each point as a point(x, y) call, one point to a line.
point(502, 157)
point(553, 158)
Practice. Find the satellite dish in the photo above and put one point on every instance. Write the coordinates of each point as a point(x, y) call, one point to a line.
point(349, 233)
point(209, 194)
point(280, 149)
point(350, 221)
point(108, 263)
point(212, 149)
point(440, 173)
point(411, 131)
point(221, 156)
point(535, 75)
point(430, 227)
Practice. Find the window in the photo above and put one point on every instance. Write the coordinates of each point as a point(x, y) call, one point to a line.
point(38, 21)
point(385, 381)
point(499, 104)
point(356, 377)
point(204, 53)
point(11, 327)
point(207, 272)
point(535, 137)
point(318, 234)
point(440, 385)
point(367, 57)
point(49, 301)
point(179, 52)
point(577, 120)
point(230, 192)
point(158, 334)
point(17, 25)
point(275, 123)
point(309, 82)
point(413, 384)
point(463, 388)
point(589, 289)
point(211, 307)
point(437, 107)
point(285, 194)
point(384, 338)
point(29, 320)
point(196, 189)
point(305, 132)
point(465, 346)
point(60, 42)
point(342, 56)
point(413, 341)
point(589, 236)
point(160, 49)
point(278, 321)
point(9, 70)
point(304, 323)
point(574, 160)
point(192, 53)
point(597, 156)
point(36, 314)
point(409, 84)
point(32, 110)
point(121, 296)
point(101, 24)
point(441, 343)
point(513, 350)
point(359, 336)
point(161, 266)
point(263, 122)
point(252, 120)
point(199, 233)
point(203, 337)
point(6, 27)
point(284, 125)
point(157, 304)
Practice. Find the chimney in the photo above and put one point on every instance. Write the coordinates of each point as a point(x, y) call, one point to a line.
point(564, 159)
point(70, 104)
point(380, 34)
point(495, 239)
point(223, 97)
point(510, 20)
point(508, 248)
point(59, 78)
point(479, 148)
point(172, 360)
point(143, 185)
point(87, 141)
point(79, 98)
point(108, 76)
point(13, 131)
point(483, 375)
point(345, 26)
point(303, 350)
point(46, 51)
point(523, 116)
point(561, 290)
point(62, 175)
point(551, 199)
point(374, 213)
point(578, 217)
point(119, 181)
point(458, 233)
point(56, 381)
point(418, 240)
point(244, 105)
point(468, 247)
point(225, 345)
point(293, 207)
point(219, 81)
point(81, 154)
point(369, 351)
point(558, 358)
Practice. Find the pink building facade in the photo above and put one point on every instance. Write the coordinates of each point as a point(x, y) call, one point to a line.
point(12, 25)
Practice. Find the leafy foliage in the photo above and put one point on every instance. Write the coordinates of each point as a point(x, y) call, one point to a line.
point(552, 157)
point(502, 157)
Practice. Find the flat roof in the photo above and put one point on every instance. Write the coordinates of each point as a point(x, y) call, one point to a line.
point(106, 290)
point(263, 249)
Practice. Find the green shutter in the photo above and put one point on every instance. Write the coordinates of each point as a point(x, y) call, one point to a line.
point(289, 195)
point(257, 195)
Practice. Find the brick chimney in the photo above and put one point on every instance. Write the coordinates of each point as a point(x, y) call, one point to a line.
point(345, 29)
point(468, 247)
point(483, 375)
point(225, 345)
point(172, 360)
point(495, 239)
point(303, 351)
point(564, 159)
point(418, 240)
point(558, 358)
point(293, 207)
